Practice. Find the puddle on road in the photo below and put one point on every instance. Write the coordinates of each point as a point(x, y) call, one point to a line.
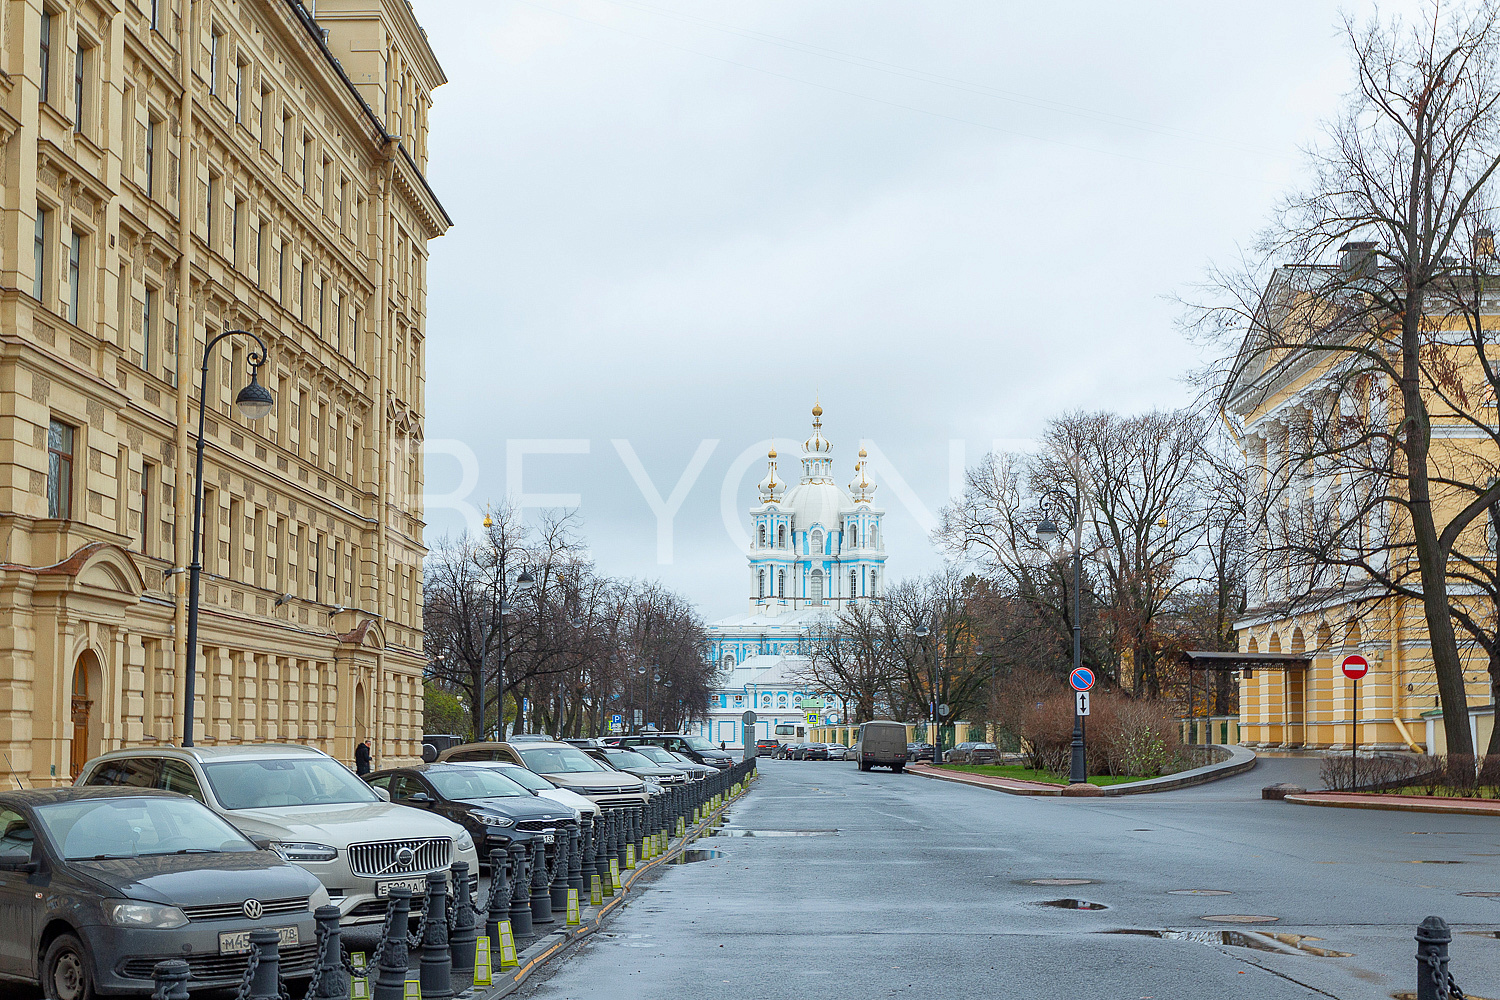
point(1071, 904)
point(1282, 944)
point(1240, 918)
point(1199, 892)
point(736, 832)
point(1058, 881)
point(690, 856)
point(1483, 895)
point(1437, 862)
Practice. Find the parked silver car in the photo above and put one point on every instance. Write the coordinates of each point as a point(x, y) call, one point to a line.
point(310, 809)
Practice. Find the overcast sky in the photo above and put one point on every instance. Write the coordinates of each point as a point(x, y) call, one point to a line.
point(678, 222)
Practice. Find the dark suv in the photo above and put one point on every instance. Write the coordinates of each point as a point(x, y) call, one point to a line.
point(767, 748)
point(692, 747)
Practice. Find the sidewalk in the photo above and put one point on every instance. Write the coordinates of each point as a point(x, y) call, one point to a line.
point(1400, 803)
point(1011, 786)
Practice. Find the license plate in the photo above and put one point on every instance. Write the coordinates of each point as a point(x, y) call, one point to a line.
point(546, 838)
point(418, 886)
point(238, 942)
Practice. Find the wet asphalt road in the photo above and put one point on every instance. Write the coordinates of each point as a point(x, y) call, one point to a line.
point(923, 891)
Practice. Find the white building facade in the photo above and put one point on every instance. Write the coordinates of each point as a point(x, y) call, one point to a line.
point(814, 549)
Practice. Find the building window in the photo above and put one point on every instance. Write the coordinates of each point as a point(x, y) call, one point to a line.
point(39, 282)
point(761, 586)
point(815, 543)
point(75, 276)
point(854, 536)
point(874, 536)
point(762, 541)
point(781, 583)
point(155, 14)
point(44, 59)
point(215, 43)
point(59, 470)
point(853, 583)
point(148, 318)
point(147, 470)
point(80, 81)
point(874, 592)
point(151, 157)
point(239, 91)
point(781, 536)
point(817, 586)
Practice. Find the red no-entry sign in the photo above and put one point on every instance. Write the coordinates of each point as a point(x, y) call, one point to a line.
point(1355, 666)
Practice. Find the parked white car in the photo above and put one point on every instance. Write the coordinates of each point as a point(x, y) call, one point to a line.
point(527, 778)
point(310, 809)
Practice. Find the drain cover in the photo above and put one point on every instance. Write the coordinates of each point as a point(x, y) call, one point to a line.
point(1483, 895)
point(1198, 892)
point(1240, 918)
point(1059, 881)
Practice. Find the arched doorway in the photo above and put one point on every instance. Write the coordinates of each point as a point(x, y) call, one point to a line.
point(361, 714)
point(86, 695)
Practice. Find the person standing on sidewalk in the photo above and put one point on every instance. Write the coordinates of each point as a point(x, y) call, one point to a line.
point(362, 758)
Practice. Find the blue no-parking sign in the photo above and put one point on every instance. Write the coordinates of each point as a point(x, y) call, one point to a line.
point(1082, 679)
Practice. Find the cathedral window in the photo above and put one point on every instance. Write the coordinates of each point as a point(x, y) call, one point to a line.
point(761, 589)
point(781, 537)
point(874, 535)
point(729, 662)
point(854, 536)
point(816, 542)
point(853, 583)
point(873, 592)
point(781, 583)
point(817, 587)
point(762, 535)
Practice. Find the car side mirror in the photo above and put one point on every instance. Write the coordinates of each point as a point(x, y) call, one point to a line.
point(381, 793)
point(261, 843)
point(18, 863)
point(419, 799)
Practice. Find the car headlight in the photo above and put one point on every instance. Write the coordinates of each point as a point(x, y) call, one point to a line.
point(129, 913)
point(465, 842)
point(305, 852)
point(488, 819)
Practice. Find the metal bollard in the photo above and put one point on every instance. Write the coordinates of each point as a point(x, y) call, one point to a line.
point(265, 977)
point(171, 979)
point(1433, 938)
point(559, 887)
point(499, 901)
point(437, 960)
point(390, 974)
point(465, 933)
point(541, 895)
point(520, 893)
point(329, 979)
point(575, 855)
point(601, 851)
point(638, 831)
point(621, 829)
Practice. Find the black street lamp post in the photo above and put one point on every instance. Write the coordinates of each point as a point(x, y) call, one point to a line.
point(254, 401)
point(1078, 772)
point(932, 706)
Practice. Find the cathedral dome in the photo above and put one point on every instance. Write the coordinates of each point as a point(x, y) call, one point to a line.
point(817, 503)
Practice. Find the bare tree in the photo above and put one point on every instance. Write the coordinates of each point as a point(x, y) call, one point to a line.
point(1379, 348)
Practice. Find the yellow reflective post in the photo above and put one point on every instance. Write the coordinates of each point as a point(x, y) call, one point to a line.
point(483, 974)
point(629, 855)
point(596, 891)
point(614, 875)
point(574, 917)
point(508, 959)
point(413, 990)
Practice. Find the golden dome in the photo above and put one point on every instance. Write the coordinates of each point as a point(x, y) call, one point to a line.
point(817, 409)
point(863, 453)
point(771, 453)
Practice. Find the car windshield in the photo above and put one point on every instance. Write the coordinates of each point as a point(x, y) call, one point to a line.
point(698, 743)
point(559, 760)
point(657, 754)
point(628, 758)
point(525, 778)
point(97, 829)
point(474, 783)
point(680, 759)
point(267, 784)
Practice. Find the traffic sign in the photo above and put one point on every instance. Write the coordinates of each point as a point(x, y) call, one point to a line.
point(617, 723)
point(1082, 679)
point(943, 710)
point(1355, 666)
point(1081, 705)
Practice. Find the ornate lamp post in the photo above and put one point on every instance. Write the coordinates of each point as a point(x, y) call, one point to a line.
point(932, 706)
point(523, 585)
point(254, 401)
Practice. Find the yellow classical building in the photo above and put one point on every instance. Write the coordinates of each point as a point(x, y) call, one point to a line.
point(1302, 620)
point(174, 169)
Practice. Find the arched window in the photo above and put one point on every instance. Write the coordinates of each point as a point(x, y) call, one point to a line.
point(728, 665)
point(874, 536)
point(854, 536)
point(815, 544)
point(761, 587)
point(873, 591)
point(781, 536)
point(781, 583)
point(766, 701)
point(816, 587)
point(853, 585)
point(762, 534)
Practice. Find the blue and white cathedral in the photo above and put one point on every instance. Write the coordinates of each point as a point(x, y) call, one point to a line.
point(814, 548)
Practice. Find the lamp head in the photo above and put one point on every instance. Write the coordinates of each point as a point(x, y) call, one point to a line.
point(524, 581)
point(1046, 529)
point(920, 631)
point(255, 400)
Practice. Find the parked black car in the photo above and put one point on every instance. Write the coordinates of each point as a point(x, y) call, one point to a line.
point(667, 758)
point(643, 767)
point(811, 751)
point(919, 751)
point(695, 748)
point(492, 808)
point(97, 885)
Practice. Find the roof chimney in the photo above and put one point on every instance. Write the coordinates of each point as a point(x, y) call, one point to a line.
point(1357, 260)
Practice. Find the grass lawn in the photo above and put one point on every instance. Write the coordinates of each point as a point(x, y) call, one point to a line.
point(1031, 774)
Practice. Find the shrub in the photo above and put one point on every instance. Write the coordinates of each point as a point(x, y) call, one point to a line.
point(1124, 737)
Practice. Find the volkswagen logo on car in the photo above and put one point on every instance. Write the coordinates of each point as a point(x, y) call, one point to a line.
point(253, 909)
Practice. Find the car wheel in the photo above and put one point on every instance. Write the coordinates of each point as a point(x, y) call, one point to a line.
point(65, 970)
point(863, 766)
point(898, 768)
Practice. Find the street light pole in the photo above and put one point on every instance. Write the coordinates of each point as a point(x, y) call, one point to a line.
point(255, 402)
point(1078, 772)
point(932, 707)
